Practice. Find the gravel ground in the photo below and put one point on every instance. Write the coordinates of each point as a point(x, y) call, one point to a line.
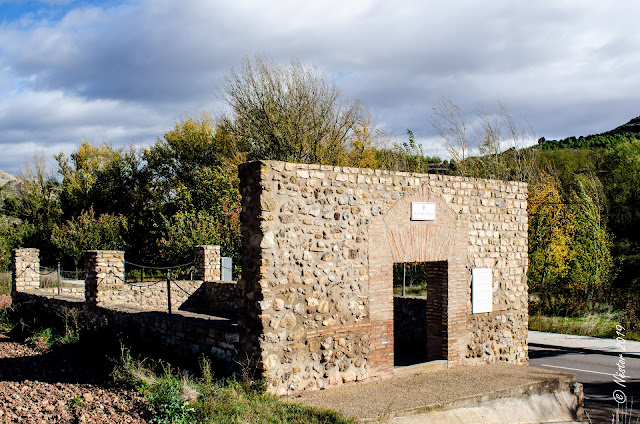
point(5, 301)
point(61, 386)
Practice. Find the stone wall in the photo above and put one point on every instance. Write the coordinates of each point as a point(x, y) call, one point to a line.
point(181, 335)
point(25, 268)
point(220, 296)
point(207, 263)
point(105, 285)
point(320, 243)
point(104, 275)
point(150, 296)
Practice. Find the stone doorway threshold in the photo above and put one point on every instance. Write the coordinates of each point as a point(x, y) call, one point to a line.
point(422, 368)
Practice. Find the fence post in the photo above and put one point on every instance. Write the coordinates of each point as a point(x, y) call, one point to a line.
point(25, 263)
point(58, 278)
point(404, 276)
point(169, 291)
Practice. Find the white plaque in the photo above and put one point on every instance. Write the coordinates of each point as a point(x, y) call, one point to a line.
point(481, 290)
point(423, 211)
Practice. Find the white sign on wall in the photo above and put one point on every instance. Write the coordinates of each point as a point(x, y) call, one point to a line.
point(481, 290)
point(423, 211)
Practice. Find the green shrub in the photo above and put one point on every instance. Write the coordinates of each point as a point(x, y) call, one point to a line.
point(75, 402)
point(5, 321)
point(42, 339)
point(177, 397)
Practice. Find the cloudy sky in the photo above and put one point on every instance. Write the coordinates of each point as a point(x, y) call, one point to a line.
point(125, 70)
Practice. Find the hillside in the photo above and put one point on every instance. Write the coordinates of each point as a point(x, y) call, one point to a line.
point(5, 177)
point(9, 184)
point(622, 134)
point(631, 127)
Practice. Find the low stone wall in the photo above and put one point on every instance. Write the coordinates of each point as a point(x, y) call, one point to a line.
point(220, 296)
point(181, 334)
point(185, 295)
point(77, 292)
point(151, 297)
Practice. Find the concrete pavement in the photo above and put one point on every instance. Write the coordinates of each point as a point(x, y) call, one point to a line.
point(585, 343)
point(495, 393)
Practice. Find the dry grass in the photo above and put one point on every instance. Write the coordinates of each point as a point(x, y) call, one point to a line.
point(413, 290)
point(594, 325)
point(5, 282)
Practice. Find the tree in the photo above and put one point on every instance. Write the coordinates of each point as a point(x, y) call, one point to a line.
point(86, 232)
point(13, 234)
point(591, 267)
point(486, 145)
point(550, 229)
point(452, 125)
point(194, 174)
point(193, 145)
point(622, 182)
point(362, 151)
point(292, 113)
point(185, 230)
point(407, 157)
point(38, 192)
point(80, 172)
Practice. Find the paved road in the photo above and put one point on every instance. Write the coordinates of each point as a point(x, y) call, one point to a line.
point(594, 362)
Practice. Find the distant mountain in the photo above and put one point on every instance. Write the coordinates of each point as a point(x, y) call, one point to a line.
point(5, 177)
point(622, 134)
point(9, 184)
point(632, 126)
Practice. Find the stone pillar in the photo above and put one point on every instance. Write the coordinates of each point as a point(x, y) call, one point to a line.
point(104, 272)
point(25, 267)
point(207, 263)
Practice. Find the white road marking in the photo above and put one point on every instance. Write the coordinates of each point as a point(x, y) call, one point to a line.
point(576, 369)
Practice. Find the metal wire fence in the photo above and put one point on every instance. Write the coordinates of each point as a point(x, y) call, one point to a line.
point(137, 275)
point(172, 274)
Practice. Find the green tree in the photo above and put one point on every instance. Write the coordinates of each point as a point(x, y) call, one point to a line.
point(406, 157)
point(591, 267)
point(39, 207)
point(13, 234)
point(622, 184)
point(39, 194)
point(86, 232)
point(79, 173)
point(185, 230)
point(194, 171)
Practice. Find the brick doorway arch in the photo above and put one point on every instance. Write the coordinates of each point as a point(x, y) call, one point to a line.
point(394, 238)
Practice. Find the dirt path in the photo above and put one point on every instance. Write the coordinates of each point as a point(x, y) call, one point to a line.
point(61, 386)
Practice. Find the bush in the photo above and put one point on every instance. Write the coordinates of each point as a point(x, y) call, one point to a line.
point(177, 397)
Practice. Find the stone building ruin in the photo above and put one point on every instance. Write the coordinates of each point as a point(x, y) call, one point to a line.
point(320, 243)
point(315, 304)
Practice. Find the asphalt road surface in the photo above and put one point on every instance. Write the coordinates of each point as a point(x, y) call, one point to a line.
point(596, 371)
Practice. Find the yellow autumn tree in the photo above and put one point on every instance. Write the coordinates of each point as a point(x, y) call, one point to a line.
point(550, 234)
point(362, 152)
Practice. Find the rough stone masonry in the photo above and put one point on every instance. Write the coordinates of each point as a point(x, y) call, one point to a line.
point(319, 247)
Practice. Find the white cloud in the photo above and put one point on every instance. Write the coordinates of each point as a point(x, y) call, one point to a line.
point(125, 71)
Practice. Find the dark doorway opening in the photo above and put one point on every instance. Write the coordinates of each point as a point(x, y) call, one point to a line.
point(420, 315)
